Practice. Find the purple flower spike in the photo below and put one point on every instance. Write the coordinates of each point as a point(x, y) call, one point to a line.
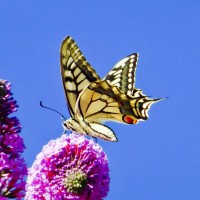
point(70, 167)
point(13, 169)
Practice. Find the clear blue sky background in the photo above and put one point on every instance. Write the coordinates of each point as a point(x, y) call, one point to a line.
point(158, 159)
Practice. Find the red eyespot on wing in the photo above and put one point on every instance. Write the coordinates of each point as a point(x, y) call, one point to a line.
point(129, 120)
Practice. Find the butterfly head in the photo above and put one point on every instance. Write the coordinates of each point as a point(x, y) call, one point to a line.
point(68, 124)
point(73, 125)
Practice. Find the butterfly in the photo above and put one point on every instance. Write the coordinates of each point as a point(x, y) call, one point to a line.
point(92, 100)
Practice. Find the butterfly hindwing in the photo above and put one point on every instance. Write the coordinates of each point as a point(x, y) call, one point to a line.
point(102, 131)
point(101, 101)
point(76, 72)
point(122, 74)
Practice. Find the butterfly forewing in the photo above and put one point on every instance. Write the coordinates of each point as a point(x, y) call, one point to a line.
point(76, 72)
point(122, 74)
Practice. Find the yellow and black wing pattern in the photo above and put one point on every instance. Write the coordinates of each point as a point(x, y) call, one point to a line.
point(92, 100)
point(122, 74)
point(76, 72)
point(101, 101)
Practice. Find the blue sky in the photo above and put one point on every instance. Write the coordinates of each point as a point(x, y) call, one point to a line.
point(155, 159)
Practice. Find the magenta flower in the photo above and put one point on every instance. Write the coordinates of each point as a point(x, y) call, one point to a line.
point(12, 167)
point(70, 167)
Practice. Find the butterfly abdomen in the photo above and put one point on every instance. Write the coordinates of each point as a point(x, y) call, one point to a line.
point(92, 129)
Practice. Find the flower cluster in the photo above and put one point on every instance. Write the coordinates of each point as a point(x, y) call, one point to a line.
point(70, 167)
point(12, 167)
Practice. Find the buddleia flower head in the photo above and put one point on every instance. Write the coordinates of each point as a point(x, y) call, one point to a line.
point(70, 167)
point(12, 167)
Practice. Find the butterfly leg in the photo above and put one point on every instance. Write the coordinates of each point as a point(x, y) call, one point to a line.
point(95, 139)
point(64, 131)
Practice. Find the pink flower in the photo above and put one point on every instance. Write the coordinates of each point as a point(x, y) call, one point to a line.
point(12, 167)
point(70, 167)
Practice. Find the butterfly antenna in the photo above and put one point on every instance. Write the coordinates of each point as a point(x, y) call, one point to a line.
point(62, 116)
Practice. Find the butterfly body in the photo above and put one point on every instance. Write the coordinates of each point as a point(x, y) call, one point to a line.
point(82, 127)
point(92, 100)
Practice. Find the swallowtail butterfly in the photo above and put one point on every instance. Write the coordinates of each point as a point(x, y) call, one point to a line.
point(92, 100)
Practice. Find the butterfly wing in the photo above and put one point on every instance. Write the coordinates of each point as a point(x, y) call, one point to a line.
point(122, 74)
point(76, 72)
point(101, 101)
point(102, 131)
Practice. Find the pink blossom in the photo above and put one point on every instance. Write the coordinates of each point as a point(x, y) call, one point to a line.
point(12, 167)
point(70, 167)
